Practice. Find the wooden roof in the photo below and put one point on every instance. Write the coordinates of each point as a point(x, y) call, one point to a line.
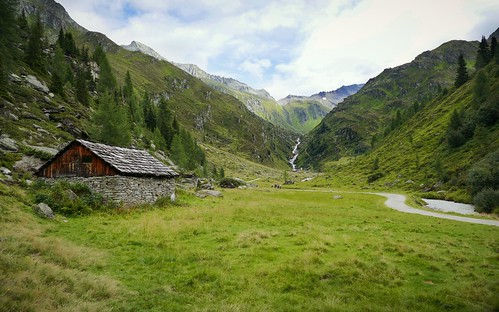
point(126, 161)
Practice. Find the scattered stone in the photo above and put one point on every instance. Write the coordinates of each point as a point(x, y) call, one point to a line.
point(13, 117)
point(40, 129)
point(15, 78)
point(43, 210)
point(28, 182)
point(337, 197)
point(307, 179)
point(6, 143)
point(71, 195)
point(51, 94)
point(28, 164)
point(409, 182)
point(206, 193)
point(37, 84)
point(46, 99)
point(289, 182)
point(5, 171)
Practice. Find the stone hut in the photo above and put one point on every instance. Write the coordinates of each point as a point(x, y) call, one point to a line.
point(130, 176)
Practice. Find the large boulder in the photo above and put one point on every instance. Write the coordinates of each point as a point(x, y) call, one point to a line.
point(37, 84)
point(28, 164)
point(206, 193)
point(43, 210)
point(7, 144)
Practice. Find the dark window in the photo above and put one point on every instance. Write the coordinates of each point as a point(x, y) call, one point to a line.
point(86, 159)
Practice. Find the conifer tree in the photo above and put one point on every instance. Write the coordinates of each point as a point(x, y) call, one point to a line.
point(462, 72)
point(164, 122)
point(107, 81)
point(483, 54)
point(34, 53)
point(9, 36)
point(178, 153)
point(81, 87)
point(493, 47)
point(149, 112)
point(481, 87)
point(110, 124)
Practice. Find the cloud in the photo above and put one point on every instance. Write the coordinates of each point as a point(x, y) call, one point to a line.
point(289, 46)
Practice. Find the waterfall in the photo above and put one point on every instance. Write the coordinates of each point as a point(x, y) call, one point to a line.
point(295, 154)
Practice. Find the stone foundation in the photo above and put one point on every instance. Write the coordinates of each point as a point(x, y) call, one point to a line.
point(127, 190)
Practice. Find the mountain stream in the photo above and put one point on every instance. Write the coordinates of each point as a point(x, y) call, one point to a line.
point(295, 155)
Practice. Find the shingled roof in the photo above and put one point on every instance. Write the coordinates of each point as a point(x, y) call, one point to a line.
point(126, 161)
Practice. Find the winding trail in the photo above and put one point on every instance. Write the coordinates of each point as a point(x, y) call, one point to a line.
point(397, 202)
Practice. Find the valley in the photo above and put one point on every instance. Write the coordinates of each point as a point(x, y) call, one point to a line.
point(306, 203)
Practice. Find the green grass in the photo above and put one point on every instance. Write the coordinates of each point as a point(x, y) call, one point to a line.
point(289, 250)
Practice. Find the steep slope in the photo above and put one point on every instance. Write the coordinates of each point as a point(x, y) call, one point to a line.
point(418, 156)
point(212, 116)
point(350, 127)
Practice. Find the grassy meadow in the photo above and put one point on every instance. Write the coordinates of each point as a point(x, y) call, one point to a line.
point(252, 250)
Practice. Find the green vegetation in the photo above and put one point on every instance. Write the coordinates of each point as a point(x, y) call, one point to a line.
point(254, 250)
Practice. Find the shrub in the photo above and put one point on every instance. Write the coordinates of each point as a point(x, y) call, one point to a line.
point(486, 200)
point(67, 198)
point(484, 174)
point(374, 177)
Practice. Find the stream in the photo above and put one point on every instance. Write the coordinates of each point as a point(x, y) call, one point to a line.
point(449, 206)
point(295, 155)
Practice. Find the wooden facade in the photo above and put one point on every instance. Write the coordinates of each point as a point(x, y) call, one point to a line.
point(86, 159)
point(77, 161)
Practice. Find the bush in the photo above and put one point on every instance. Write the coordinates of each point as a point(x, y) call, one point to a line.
point(484, 174)
point(67, 198)
point(487, 200)
point(374, 177)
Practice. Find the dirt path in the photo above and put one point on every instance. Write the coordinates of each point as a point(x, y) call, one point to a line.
point(397, 202)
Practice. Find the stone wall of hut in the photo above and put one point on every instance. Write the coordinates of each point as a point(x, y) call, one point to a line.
point(128, 190)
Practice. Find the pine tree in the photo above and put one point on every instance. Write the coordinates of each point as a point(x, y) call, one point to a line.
point(178, 153)
point(81, 87)
point(110, 124)
point(59, 62)
point(481, 89)
point(107, 81)
point(9, 36)
point(149, 112)
point(483, 54)
point(56, 85)
point(462, 72)
point(493, 47)
point(164, 122)
point(34, 53)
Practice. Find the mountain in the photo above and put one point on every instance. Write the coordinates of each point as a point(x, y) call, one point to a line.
point(361, 120)
point(296, 113)
point(140, 47)
point(328, 99)
point(33, 115)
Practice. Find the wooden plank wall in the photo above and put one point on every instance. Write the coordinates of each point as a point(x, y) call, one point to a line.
point(78, 161)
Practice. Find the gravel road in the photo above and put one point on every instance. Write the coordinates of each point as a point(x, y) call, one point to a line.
point(397, 202)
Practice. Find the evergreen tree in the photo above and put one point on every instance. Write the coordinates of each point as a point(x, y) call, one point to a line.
point(128, 88)
point(164, 122)
point(56, 85)
point(110, 122)
point(107, 81)
point(22, 21)
point(81, 87)
point(481, 87)
point(222, 173)
point(9, 36)
point(493, 47)
point(462, 72)
point(59, 62)
point(149, 113)
point(34, 53)
point(483, 54)
point(178, 153)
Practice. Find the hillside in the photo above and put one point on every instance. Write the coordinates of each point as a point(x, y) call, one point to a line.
point(296, 113)
point(32, 114)
point(349, 128)
point(434, 152)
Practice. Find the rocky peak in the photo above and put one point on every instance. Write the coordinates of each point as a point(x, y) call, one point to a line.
point(140, 47)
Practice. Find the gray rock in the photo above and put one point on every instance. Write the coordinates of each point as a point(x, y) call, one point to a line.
point(37, 84)
point(5, 171)
point(28, 164)
point(8, 144)
point(13, 116)
point(337, 197)
point(15, 78)
point(206, 193)
point(43, 210)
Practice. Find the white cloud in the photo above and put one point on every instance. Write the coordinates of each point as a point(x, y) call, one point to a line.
point(289, 46)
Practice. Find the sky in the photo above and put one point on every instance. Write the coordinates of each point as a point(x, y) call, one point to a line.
point(298, 47)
